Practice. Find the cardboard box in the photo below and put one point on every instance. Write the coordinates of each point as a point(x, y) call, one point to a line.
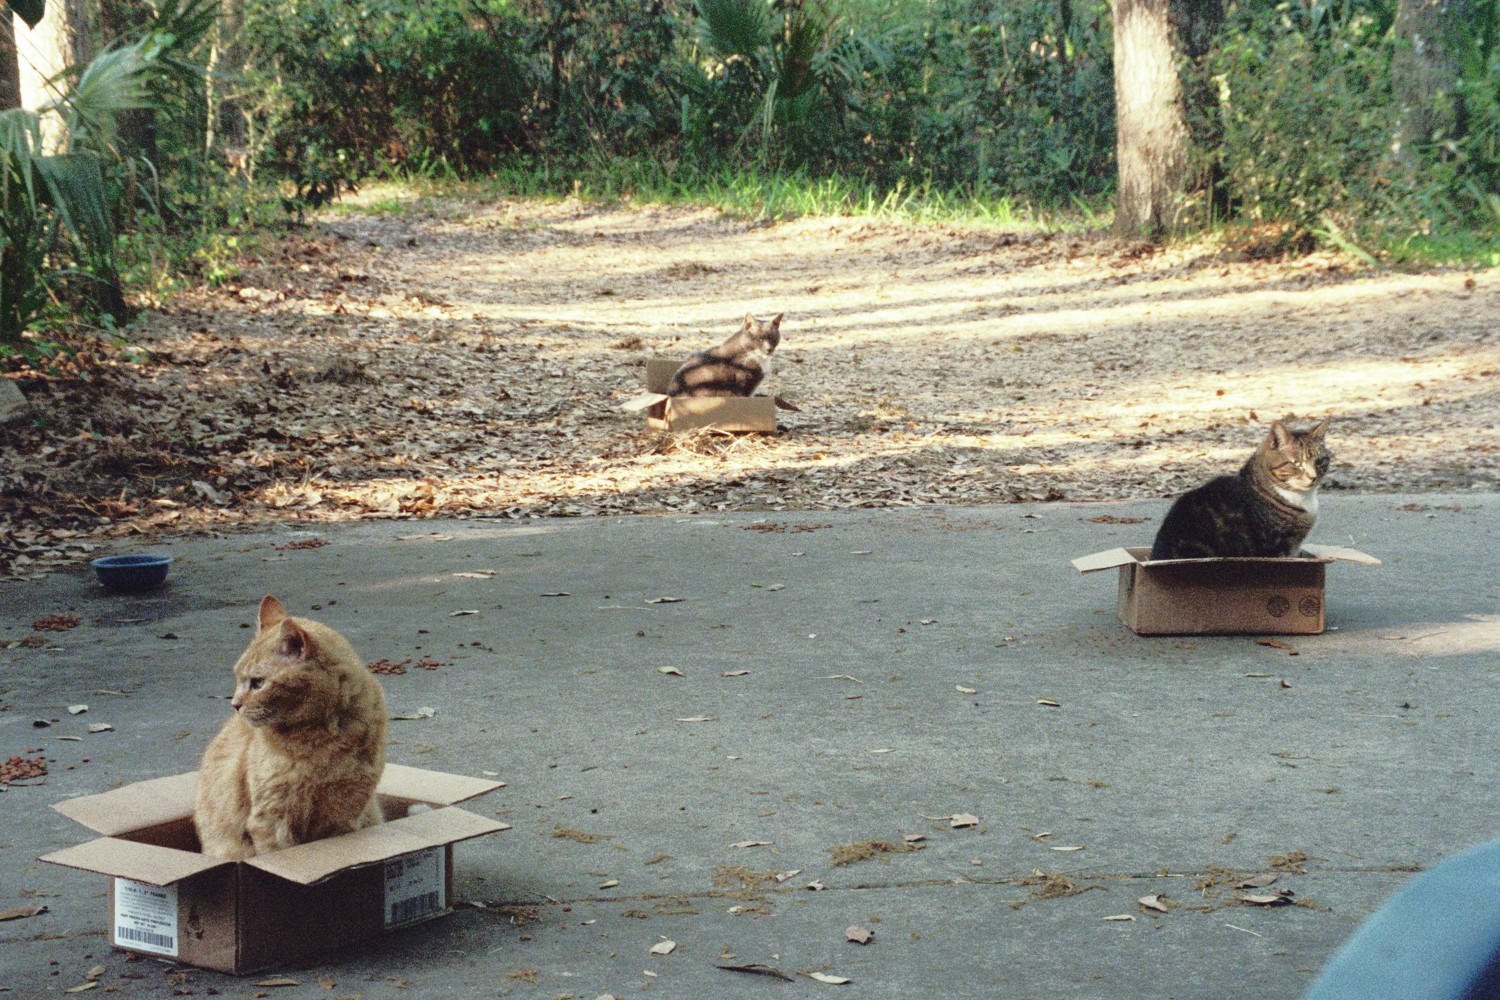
point(167, 899)
point(1221, 596)
point(725, 413)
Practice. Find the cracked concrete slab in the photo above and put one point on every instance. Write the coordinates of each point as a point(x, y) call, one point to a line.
point(893, 662)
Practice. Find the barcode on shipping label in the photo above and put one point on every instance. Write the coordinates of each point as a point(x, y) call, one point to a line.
point(146, 917)
point(415, 887)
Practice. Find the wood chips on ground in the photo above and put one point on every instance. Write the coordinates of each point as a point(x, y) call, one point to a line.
point(469, 358)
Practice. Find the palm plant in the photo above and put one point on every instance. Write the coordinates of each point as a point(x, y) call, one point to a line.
point(55, 202)
point(782, 69)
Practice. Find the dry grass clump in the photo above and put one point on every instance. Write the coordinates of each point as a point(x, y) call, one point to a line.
point(863, 850)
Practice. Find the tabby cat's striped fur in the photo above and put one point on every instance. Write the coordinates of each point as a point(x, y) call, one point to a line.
point(735, 367)
point(1265, 510)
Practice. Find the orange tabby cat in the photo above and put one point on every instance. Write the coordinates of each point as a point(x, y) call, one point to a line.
point(301, 756)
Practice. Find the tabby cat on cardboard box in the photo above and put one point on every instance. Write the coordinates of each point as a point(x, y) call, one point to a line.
point(735, 367)
point(1265, 510)
point(300, 758)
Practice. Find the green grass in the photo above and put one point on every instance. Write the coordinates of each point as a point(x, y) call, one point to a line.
point(742, 193)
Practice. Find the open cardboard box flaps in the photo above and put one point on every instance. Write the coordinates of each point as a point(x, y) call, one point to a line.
point(726, 413)
point(1234, 596)
point(241, 916)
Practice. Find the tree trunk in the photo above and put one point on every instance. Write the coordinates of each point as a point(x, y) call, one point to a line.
point(61, 40)
point(1160, 191)
point(1426, 71)
point(226, 124)
point(10, 63)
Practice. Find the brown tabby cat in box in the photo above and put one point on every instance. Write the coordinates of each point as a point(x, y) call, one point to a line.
point(301, 756)
point(735, 367)
point(1266, 510)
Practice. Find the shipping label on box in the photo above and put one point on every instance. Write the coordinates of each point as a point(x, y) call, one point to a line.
point(415, 887)
point(169, 899)
point(146, 917)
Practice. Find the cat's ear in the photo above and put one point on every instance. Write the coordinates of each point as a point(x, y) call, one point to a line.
point(294, 642)
point(1316, 434)
point(749, 321)
point(271, 612)
point(1280, 439)
point(775, 321)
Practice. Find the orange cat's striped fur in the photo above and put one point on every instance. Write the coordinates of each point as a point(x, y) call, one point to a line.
point(301, 756)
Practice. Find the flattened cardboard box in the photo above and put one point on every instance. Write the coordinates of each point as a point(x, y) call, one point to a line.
point(168, 899)
point(1221, 596)
point(725, 413)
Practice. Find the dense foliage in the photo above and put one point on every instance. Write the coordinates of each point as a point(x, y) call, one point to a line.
point(967, 103)
point(1011, 98)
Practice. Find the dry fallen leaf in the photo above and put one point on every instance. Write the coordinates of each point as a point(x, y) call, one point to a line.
point(459, 614)
point(751, 843)
point(475, 574)
point(664, 947)
point(670, 670)
point(1278, 644)
point(1258, 882)
point(557, 593)
point(824, 977)
point(95, 972)
point(734, 673)
point(21, 912)
point(1068, 847)
point(859, 935)
point(1280, 897)
point(609, 884)
point(279, 981)
point(91, 984)
point(1049, 703)
point(816, 885)
point(697, 718)
point(783, 876)
point(77, 709)
point(963, 690)
point(1120, 916)
point(912, 838)
point(958, 820)
point(1155, 901)
point(100, 727)
point(425, 712)
point(664, 600)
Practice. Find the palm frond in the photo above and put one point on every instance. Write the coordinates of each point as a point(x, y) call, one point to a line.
point(75, 185)
point(734, 27)
point(112, 82)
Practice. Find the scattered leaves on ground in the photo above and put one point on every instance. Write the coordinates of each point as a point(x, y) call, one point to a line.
point(494, 388)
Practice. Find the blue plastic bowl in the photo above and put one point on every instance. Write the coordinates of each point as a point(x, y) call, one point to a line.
point(131, 572)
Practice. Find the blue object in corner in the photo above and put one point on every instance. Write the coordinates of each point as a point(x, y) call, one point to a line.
point(1437, 938)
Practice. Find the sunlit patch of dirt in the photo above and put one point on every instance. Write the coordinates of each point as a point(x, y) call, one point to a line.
point(469, 357)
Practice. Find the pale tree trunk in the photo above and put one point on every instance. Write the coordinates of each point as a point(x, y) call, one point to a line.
point(1426, 71)
point(62, 39)
point(1160, 191)
point(10, 65)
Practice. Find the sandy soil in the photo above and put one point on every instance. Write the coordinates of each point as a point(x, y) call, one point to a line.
point(465, 357)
